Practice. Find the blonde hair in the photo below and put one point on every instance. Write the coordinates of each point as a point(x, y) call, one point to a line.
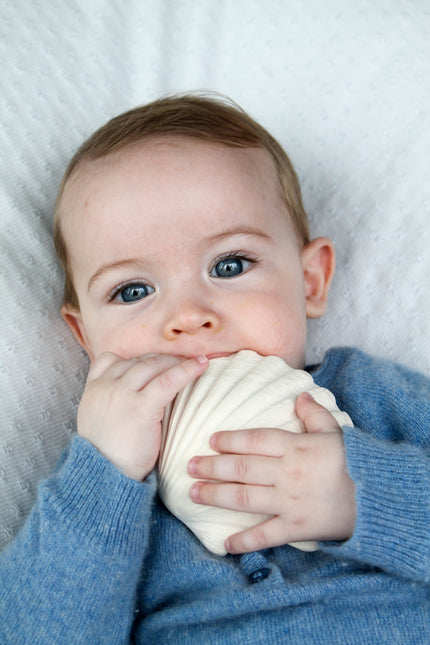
point(209, 118)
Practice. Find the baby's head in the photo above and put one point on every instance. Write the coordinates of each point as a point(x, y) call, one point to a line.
point(197, 117)
point(181, 229)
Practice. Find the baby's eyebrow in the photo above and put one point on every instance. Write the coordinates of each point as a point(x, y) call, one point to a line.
point(134, 262)
point(111, 266)
point(237, 230)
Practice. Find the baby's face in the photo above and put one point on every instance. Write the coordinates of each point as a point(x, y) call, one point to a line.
point(184, 247)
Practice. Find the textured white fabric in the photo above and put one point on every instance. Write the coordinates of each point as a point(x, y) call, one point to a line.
point(237, 392)
point(345, 88)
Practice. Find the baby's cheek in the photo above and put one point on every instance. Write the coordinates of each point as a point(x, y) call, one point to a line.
point(289, 343)
point(273, 327)
point(126, 341)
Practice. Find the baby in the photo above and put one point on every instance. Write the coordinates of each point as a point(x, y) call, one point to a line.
point(183, 248)
point(183, 236)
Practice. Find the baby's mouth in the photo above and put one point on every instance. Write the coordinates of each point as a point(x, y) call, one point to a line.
point(218, 355)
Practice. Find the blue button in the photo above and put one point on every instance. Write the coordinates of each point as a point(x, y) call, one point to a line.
point(259, 575)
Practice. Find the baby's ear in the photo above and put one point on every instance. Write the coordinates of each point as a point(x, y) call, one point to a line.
point(73, 319)
point(318, 261)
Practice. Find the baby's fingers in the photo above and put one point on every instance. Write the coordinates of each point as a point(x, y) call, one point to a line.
point(135, 372)
point(102, 364)
point(164, 387)
point(266, 535)
point(314, 416)
point(271, 442)
point(236, 497)
point(245, 469)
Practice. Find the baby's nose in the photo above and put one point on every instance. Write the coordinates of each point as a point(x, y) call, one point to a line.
point(190, 318)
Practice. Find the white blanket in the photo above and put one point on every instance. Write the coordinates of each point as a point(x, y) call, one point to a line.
point(344, 86)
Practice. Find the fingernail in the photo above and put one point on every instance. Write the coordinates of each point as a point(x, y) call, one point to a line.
point(192, 466)
point(227, 545)
point(307, 396)
point(202, 359)
point(195, 492)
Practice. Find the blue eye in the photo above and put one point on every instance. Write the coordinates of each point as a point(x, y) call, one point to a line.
point(230, 267)
point(132, 292)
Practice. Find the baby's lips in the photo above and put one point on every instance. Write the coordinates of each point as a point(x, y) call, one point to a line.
point(218, 355)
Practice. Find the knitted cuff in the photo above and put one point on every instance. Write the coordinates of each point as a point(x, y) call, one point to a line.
point(98, 502)
point(393, 509)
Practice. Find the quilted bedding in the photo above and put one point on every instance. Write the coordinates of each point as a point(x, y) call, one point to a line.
point(345, 87)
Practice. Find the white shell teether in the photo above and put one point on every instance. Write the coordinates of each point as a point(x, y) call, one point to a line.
point(244, 390)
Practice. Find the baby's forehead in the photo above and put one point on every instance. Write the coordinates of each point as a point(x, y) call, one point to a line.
point(171, 146)
point(163, 152)
point(159, 187)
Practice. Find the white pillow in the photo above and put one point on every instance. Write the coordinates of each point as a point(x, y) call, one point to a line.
point(343, 86)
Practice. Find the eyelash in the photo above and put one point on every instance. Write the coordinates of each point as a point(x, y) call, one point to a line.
point(120, 287)
point(239, 255)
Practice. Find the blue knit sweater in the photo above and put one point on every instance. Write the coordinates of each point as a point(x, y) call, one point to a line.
point(100, 560)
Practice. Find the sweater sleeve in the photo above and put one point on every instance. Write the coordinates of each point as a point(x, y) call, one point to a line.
point(388, 458)
point(392, 484)
point(71, 574)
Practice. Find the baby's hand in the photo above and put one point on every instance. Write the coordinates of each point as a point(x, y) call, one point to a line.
point(300, 479)
point(123, 405)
